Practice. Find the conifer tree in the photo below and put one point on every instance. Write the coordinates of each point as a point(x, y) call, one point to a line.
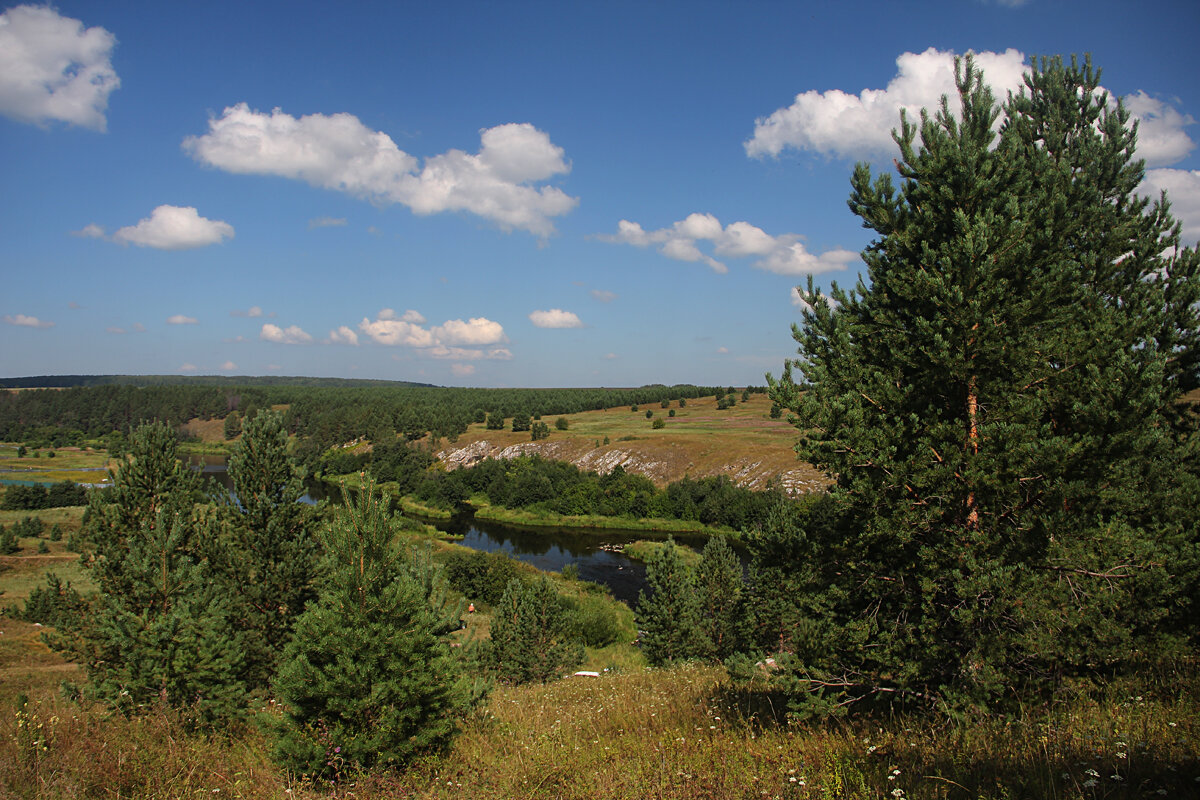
point(669, 617)
point(999, 408)
point(366, 680)
point(532, 637)
point(159, 629)
point(719, 592)
point(275, 558)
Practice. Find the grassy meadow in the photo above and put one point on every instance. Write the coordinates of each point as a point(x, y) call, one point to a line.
point(67, 463)
point(680, 733)
point(742, 442)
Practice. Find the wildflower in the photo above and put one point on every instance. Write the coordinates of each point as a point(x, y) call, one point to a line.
point(1089, 783)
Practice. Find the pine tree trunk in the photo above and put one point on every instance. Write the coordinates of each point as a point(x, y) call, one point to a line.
point(973, 449)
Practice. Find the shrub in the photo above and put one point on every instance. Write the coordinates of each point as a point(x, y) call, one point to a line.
point(532, 634)
point(594, 621)
point(480, 576)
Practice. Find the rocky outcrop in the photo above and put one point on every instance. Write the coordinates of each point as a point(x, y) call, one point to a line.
point(660, 464)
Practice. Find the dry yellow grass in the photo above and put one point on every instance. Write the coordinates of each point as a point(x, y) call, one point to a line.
point(742, 442)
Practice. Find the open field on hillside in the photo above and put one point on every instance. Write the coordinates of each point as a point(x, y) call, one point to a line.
point(742, 442)
point(27, 568)
point(68, 464)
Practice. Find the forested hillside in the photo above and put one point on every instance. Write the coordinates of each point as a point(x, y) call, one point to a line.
point(325, 415)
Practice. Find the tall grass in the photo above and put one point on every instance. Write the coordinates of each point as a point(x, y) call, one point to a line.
point(678, 733)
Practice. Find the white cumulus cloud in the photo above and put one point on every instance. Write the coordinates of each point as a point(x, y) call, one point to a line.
point(555, 318)
point(415, 317)
point(181, 319)
point(475, 331)
point(174, 228)
point(859, 126)
point(343, 335)
point(89, 231)
point(851, 126)
point(1161, 139)
point(784, 255)
point(455, 339)
point(603, 295)
point(25, 321)
point(292, 334)
point(54, 69)
point(229, 365)
point(187, 367)
point(1183, 192)
point(462, 370)
point(339, 152)
point(327, 222)
point(253, 311)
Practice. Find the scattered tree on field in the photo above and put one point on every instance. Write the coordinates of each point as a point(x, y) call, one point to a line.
point(159, 630)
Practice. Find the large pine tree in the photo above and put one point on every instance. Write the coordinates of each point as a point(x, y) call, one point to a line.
point(1000, 408)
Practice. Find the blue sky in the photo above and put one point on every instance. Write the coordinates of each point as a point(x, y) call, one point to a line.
point(486, 194)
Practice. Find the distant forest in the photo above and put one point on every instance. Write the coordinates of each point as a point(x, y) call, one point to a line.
point(68, 381)
point(321, 412)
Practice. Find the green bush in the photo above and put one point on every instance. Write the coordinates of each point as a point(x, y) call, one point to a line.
point(479, 576)
point(594, 621)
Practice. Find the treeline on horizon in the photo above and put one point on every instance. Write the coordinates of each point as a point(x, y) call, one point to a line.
point(71, 381)
point(323, 415)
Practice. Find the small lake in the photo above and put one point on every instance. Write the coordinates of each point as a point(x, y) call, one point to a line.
point(596, 552)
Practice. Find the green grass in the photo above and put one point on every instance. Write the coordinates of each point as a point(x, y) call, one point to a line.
point(68, 463)
point(643, 549)
point(538, 518)
point(21, 572)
